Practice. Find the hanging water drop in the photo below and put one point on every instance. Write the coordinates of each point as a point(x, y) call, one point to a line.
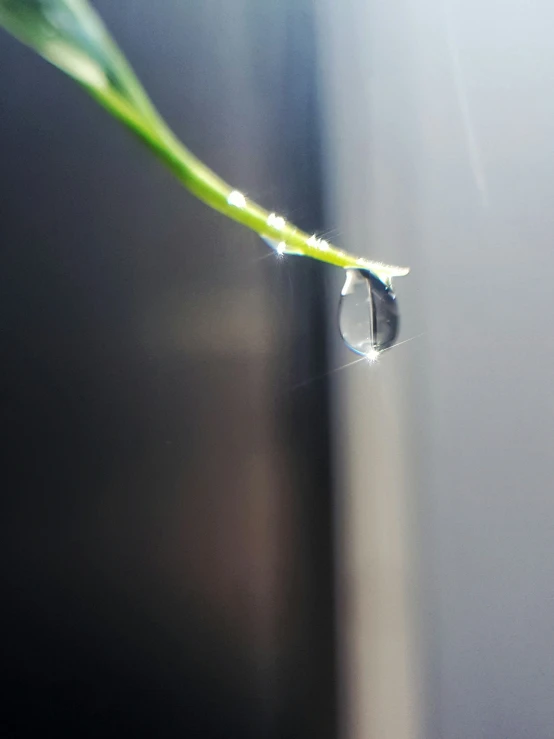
point(368, 313)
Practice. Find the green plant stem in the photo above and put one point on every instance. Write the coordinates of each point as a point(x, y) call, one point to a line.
point(69, 34)
point(215, 192)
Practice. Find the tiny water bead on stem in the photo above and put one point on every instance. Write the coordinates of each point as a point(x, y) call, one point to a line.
point(70, 35)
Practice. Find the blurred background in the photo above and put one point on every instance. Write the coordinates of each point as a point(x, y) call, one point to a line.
point(211, 525)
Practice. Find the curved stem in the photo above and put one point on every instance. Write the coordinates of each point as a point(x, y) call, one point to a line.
point(69, 34)
point(218, 194)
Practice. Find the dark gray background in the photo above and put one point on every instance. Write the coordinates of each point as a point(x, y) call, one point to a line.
point(166, 565)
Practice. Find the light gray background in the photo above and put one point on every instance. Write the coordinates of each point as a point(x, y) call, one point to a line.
point(441, 155)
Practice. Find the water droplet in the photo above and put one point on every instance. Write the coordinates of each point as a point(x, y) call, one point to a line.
point(276, 221)
point(237, 199)
point(279, 246)
point(368, 313)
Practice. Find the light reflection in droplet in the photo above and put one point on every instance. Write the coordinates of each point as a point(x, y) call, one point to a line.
point(372, 356)
point(276, 221)
point(279, 247)
point(320, 244)
point(237, 199)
